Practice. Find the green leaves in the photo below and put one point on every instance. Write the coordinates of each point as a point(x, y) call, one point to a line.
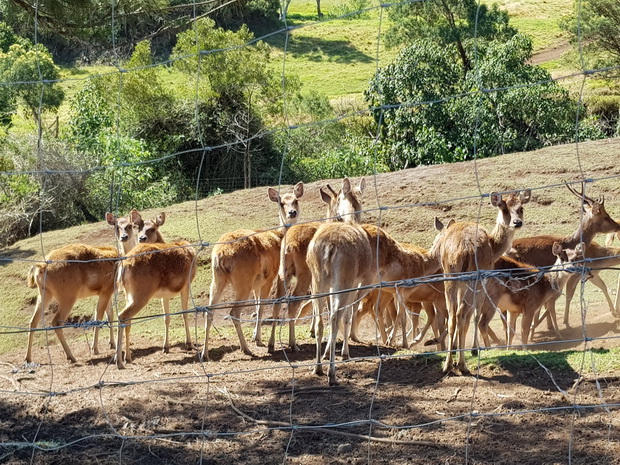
point(430, 113)
point(31, 74)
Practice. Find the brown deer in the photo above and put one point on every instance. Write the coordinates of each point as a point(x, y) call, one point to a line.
point(338, 257)
point(525, 289)
point(70, 273)
point(537, 250)
point(608, 242)
point(155, 270)
point(340, 249)
point(393, 261)
point(602, 258)
point(467, 248)
point(248, 260)
point(344, 205)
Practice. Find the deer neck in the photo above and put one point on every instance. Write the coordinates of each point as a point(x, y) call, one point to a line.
point(501, 238)
point(585, 232)
point(558, 276)
point(432, 263)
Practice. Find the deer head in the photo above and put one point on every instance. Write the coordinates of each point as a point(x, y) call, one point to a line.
point(289, 203)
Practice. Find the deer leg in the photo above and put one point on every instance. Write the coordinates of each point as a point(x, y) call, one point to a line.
point(526, 322)
point(430, 321)
point(133, 306)
point(465, 313)
point(512, 323)
point(301, 288)
point(452, 304)
point(103, 306)
point(571, 285)
point(317, 304)
point(551, 311)
point(335, 316)
point(165, 305)
point(363, 309)
point(275, 316)
point(43, 302)
point(59, 319)
point(598, 282)
point(189, 345)
point(261, 296)
point(218, 284)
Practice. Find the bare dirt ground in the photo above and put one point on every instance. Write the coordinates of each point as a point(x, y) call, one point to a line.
point(168, 408)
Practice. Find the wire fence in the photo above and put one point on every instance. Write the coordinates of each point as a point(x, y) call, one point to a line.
point(392, 404)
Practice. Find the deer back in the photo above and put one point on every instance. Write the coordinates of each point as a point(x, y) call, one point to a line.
point(159, 268)
point(77, 270)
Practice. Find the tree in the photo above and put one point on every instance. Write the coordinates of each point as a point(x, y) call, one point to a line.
point(233, 71)
point(448, 22)
point(429, 113)
point(98, 23)
point(596, 25)
point(32, 76)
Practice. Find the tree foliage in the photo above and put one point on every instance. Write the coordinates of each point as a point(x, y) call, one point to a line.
point(448, 22)
point(435, 115)
point(595, 24)
point(31, 74)
point(96, 25)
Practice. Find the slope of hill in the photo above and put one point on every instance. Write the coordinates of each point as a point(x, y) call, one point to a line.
point(405, 202)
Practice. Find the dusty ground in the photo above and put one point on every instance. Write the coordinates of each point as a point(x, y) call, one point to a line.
point(168, 408)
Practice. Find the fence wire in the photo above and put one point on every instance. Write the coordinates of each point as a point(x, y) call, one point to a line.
point(207, 387)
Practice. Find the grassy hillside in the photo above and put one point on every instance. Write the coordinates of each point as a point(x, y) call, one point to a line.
point(404, 202)
point(337, 57)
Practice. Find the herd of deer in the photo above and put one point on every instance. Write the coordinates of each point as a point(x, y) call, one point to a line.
point(350, 269)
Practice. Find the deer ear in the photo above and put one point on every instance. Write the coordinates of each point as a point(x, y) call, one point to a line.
point(135, 217)
point(161, 219)
point(451, 221)
point(496, 199)
point(111, 219)
point(325, 197)
point(580, 249)
point(438, 224)
point(346, 186)
point(525, 196)
point(362, 186)
point(298, 190)
point(273, 195)
point(556, 249)
point(610, 239)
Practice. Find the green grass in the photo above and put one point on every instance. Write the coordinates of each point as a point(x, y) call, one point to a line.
point(591, 361)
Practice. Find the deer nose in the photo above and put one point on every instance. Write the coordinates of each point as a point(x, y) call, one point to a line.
point(123, 237)
point(292, 214)
point(517, 223)
point(142, 239)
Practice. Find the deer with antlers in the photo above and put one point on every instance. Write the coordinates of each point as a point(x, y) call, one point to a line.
point(538, 250)
point(248, 260)
point(523, 290)
point(344, 205)
point(469, 248)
